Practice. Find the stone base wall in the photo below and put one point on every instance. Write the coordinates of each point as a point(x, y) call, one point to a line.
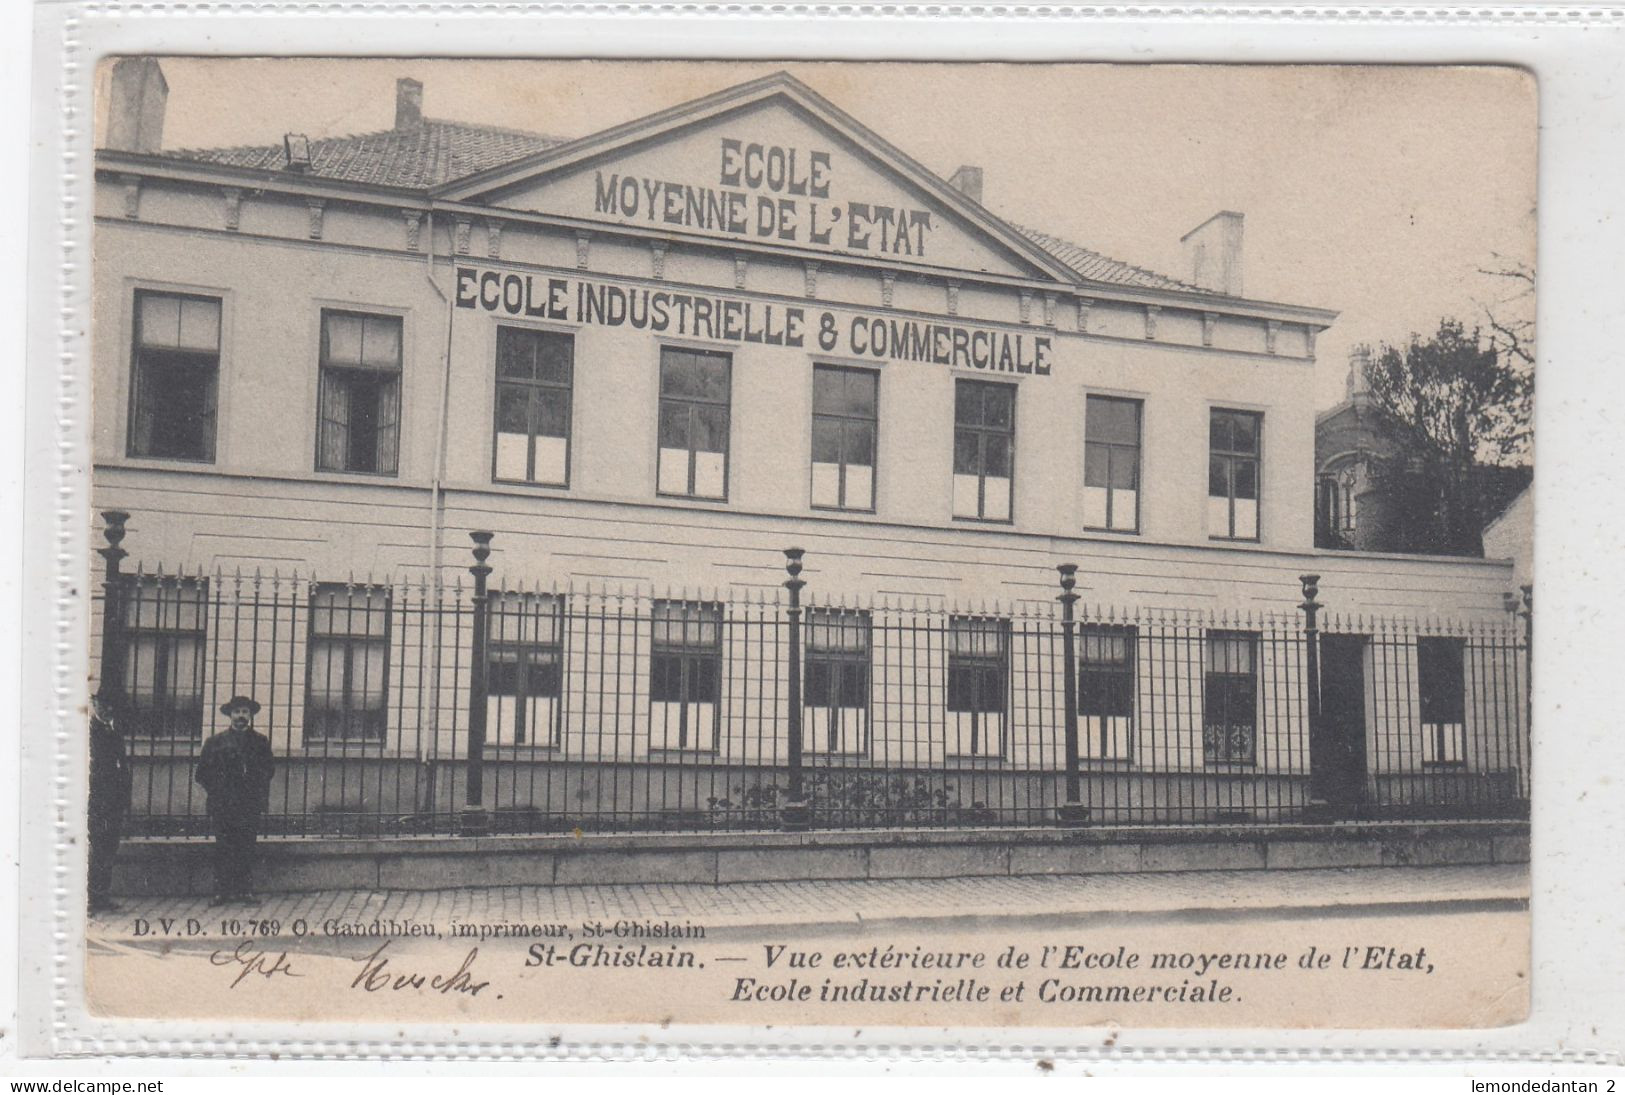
point(183, 867)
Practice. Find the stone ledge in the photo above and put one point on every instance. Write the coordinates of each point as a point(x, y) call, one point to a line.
point(432, 863)
point(841, 838)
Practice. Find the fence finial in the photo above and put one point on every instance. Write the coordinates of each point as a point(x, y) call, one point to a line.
point(482, 552)
point(792, 566)
point(1311, 589)
point(113, 532)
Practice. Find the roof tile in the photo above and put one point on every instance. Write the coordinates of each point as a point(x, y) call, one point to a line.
point(416, 158)
point(1093, 266)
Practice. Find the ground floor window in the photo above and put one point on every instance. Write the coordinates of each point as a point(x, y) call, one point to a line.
point(525, 659)
point(1230, 698)
point(165, 627)
point(978, 685)
point(1441, 688)
point(347, 686)
point(685, 675)
point(1106, 692)
point(835, 685)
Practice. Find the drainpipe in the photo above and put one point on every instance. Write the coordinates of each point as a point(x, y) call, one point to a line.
point(436, 480)
point(436, 496)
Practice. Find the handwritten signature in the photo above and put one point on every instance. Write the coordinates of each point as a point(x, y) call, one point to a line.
point(253, 961)
point(377, 976)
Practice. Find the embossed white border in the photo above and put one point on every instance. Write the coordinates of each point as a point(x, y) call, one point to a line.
point(1578, 873)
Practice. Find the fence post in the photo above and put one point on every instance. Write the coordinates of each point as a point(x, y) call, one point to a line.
point(476, 820)
point(1072, 811)
point(111, 685)
point(796, 814)
point(1319, 800)
point(1528, 614)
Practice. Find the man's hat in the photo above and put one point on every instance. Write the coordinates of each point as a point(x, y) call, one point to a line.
point(252, 704)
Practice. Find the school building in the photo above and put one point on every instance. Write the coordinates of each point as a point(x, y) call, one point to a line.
point(657, 365)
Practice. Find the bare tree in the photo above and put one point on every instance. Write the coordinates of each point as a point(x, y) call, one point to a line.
point(1511, 321)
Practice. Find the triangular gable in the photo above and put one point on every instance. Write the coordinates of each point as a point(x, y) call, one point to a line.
point(769, 162)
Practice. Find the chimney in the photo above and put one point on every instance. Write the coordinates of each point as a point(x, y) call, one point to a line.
point(968, 181)
point(1213, 253)
point(136, 99)
point(408, 103)
point(1359, 384)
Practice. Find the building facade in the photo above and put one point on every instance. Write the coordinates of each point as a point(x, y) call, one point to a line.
point(649, 360)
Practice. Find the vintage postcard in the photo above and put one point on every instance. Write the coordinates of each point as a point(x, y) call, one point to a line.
point(810, 544)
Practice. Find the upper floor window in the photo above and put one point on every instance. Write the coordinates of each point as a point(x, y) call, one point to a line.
point(175, 376)
point(166, 623)
point(534, 374)
point(525, 661)
point(1111, 464)
point(978, 685)
point(835, 691)
point(1232, 477)
point(1230, 698)
point(1106, 691)
point(359, 414)
point(1441, 689)
point(346, 688)
point(984, 449)
point(843, 437)
point(694, 386)
point(685, 675)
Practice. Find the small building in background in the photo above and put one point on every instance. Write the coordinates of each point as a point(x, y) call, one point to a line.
point(1511, 535)
point(1370, 494)
point(1351, 439)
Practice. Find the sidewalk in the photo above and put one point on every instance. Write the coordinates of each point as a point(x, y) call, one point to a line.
point(746, 905)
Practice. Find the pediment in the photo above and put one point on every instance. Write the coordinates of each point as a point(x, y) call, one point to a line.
point(767, 164)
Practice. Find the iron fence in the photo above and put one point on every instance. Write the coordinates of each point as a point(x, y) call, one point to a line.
point(400, 708)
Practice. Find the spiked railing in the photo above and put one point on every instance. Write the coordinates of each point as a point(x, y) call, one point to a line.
point(517, 705)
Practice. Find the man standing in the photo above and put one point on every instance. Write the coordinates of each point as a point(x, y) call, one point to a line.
point(235, 770)
point(109, 799)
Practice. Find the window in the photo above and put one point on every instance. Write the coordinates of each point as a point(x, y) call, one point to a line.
point(984, 449)
point(1106, 691)
point(1441, 684)
point(534, 373)
point(978, 669)
point(1232, 476)
point(835, 686)
point(1111, 464)
point(524, 659)
point(358, 421)
point(1336, 511)
point(1230, 700)
point(165, 621)
point(176, 376)
point(348, 678)
point(693, 423)
point(843, 438)
point(685, 675)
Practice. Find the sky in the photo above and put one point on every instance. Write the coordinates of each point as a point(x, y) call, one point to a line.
point(1379, 192)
